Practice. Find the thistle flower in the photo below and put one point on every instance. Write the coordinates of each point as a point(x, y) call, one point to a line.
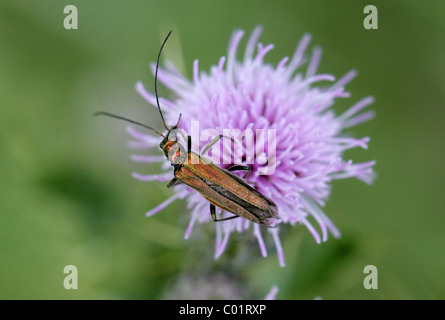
point(250, 93)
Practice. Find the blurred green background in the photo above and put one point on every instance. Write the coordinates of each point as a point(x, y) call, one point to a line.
point(67, 197)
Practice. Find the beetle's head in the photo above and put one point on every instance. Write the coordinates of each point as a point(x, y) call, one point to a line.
point(169, 137)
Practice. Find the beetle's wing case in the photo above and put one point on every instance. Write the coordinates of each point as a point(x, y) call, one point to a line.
point(226, 190)
point(216, 198)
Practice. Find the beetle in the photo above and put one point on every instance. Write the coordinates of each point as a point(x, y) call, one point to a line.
point(219, 186)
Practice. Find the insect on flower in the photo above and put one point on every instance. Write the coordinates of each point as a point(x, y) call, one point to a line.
point(219, 186)
point(296, 168)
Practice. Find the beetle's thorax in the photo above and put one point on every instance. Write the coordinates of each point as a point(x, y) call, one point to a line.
point(174, 152)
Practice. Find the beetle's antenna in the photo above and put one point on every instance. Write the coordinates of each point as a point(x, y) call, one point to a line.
point(156, 80)
point(177, 123)
point(102, 113)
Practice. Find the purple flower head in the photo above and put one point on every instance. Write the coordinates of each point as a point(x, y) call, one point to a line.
point(298, 160)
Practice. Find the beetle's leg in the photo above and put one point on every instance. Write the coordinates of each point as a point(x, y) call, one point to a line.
point(173, 182)
point(213, 214)
point(241, 167)
point(189, 144)
point(211, 143)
